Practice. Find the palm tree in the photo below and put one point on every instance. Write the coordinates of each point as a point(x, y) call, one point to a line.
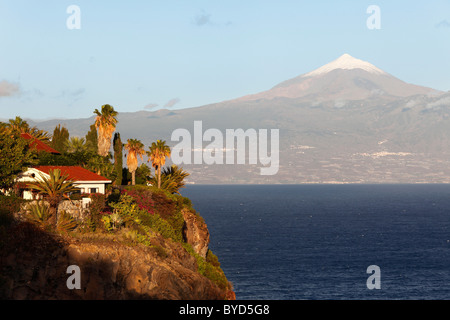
point(18, 125)
point(54, 188)
point(172, 179)
point(3, 127)
point(105, 122)
point(157, 155)
point(135, 148)
point(76, 144)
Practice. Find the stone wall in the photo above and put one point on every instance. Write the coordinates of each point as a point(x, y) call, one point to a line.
point(76, 208)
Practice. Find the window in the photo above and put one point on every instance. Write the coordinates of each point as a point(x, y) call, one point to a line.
point(93, 190)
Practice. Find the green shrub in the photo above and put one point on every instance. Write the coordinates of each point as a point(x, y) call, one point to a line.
point(76, 196)
point(160, 225)
point(87, 225)
point(208, 269)
point(114, 197)
point(164, 206)
point(11, 204)
point(98, 203)
point(38, 213)
point(142, 197)
point(112, 221)
point(212, 258)
point(66, 222)
point(96, 208)
point(127, 209)
point(160, 251)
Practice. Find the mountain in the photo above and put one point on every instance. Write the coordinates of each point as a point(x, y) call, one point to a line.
point(345, 122)
point(345, 78)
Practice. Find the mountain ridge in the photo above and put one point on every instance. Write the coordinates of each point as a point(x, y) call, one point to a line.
point(330, 132)
point(344, 78)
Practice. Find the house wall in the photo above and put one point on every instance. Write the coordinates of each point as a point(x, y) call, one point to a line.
point(86, 186)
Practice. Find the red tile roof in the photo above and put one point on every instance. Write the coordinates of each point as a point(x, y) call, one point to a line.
point(74, 173)
point(39, 145)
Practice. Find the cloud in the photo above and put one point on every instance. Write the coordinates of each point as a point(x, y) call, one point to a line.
point(78, 92)
point(8, 89)
point(151, 106)
point(443, 24)
point(71, 96)
point(203, 19)
point(71, 93)
point(171, 103)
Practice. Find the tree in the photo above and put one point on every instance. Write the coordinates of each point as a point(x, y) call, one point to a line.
point(157, 155)
point(60, 138)
point(101, 165)
point(105, 122)
point(143, 174)
point(18, 125)
point(118, 158)
point(172, 179)
point(54, 189)
point(135, 148)
point(92, 140)
point(15, 156)
point(75, 145)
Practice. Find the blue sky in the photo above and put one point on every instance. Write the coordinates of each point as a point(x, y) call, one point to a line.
point(145, 55)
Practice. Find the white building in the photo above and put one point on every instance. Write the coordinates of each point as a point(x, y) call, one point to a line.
point(88, 182)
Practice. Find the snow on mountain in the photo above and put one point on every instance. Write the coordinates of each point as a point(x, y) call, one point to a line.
point(344, 79)
point(346, 62)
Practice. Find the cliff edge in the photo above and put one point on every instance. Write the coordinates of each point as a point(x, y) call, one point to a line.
point(126, 263)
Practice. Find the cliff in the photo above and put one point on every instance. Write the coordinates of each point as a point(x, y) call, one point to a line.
point(112, 266)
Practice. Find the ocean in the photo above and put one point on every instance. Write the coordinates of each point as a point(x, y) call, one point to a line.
point(316, 242)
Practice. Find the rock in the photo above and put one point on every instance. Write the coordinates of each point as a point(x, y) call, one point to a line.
point(196, 232)
point(109, 270)
point(33, 265)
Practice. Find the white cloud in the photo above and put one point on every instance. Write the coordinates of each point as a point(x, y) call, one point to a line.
point(8, 89)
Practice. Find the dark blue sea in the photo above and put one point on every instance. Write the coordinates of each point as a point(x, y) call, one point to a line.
point(315, 242)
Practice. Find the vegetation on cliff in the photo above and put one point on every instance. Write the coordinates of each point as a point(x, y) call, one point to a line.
point(140, 212)
point(134, 218)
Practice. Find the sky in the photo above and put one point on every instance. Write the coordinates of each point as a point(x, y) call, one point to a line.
point(56, 62)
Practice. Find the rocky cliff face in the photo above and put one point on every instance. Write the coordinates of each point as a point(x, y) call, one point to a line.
point(34, 265)
point(196, 233)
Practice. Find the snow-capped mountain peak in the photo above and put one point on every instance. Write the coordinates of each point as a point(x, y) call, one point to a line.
point(346, 62)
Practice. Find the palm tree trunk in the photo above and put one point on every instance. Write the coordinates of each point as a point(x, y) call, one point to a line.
point(53, 211)
point(133, 178)
point(159, 177)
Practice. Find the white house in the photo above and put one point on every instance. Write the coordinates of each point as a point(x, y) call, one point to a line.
point(87, 181)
